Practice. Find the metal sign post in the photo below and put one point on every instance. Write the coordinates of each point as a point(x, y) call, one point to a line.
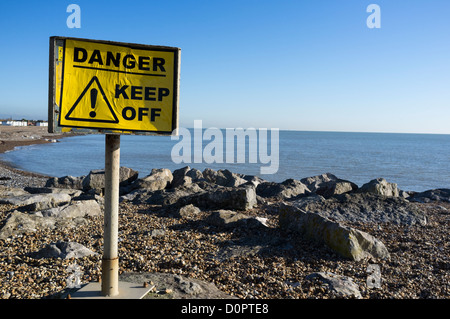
point(110, 261)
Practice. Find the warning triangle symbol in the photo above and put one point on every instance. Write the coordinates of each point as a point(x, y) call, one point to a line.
point(92, 105)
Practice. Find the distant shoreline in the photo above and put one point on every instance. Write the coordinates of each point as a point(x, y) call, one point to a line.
point(16, 136)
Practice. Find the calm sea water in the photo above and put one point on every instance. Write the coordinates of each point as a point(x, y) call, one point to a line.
point(414, 161)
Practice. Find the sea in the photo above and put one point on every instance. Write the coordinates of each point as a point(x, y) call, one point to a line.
point(416, 162)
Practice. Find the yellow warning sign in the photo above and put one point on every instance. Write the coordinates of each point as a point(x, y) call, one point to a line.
point(117, 86)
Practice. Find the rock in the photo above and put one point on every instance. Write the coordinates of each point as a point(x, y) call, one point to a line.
point(179, 286)
point(53, 190)
point(228, 219)
point(287, 189)
point(37, 202)
point(229, 179)
point(188, 211)
point(20, 223)
point(65, 182)
point(75, 209)
point(258, 242)
point(156, 233)
point(328, 185)
point(343, 286)
point(188, 287)
point(195, 174)
point(239, 198)
point(63, 250)
point(223, 218)
point(329, 189)
point(223, 177)
point(441, 195)
point(269, 189)
point(238, 251)
point(210, 175)
point(346, 241)
point(380, 186)
point(185, 176)
point(254, 180)
point(157, 180)
point(309, 203)
point(363, 208)
point(180, 178)
point(182, 181)
point(96, 178)
point(403, 194)
point(314, 182)
point(207, 186)
point(163, 197)
point(7, 192)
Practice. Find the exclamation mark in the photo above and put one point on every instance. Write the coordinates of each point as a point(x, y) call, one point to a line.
point(94, 93)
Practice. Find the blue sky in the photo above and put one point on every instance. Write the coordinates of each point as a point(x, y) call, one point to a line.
point(299, 65)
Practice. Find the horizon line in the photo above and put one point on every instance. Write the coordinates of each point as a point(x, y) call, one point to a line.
point(284, 129)
point(326, 131)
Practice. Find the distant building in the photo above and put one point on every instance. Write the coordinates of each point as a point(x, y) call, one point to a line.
point(14, 123)
point(41, 123)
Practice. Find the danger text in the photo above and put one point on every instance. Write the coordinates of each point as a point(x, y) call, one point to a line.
point(115, 59)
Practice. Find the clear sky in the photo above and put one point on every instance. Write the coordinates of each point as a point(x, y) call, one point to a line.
point(299, 65)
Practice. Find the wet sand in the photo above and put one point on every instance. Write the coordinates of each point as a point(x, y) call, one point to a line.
point(13, 136)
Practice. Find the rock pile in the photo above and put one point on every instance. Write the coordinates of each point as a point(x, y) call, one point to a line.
point(314, 206)
point(324, 209)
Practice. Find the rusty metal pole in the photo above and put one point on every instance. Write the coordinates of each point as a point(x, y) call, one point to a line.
point(110, 261)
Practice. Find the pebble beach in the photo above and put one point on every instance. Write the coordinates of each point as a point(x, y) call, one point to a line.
point(241, 262)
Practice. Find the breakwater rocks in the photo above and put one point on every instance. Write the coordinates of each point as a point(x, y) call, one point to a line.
point(247, 237)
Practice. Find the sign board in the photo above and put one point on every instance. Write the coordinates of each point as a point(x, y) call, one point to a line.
point(106, 87)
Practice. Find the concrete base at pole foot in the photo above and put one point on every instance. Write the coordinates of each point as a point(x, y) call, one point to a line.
point(127, 290)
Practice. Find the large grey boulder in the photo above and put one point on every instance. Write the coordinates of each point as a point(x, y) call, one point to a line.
point(185, 176)
point(96, 178)
point(164, 197)
point(440, 195)
point(330, 189)
point(346, 241)
point(195, 174)
point(180, 177)
point(63, 250)
point(157, 180)
point(328, 185)
point(228, 219)
point(232, 198)
point(188, 211)
point(53, 190)
point(363, 208)
point(8, 192)
point(287, 189)
point(342, 286)
point(66, 182)
point(75, 209)
point(314, 182)
point(36, 202)
point(20, 223)
point(223, 177)
point(380, 186)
